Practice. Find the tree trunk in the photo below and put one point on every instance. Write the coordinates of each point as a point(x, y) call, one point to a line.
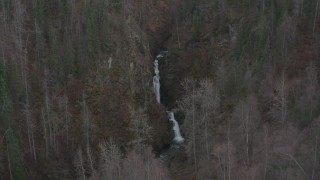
point(193, 131)
point(178, 37)
point(266, 152)
point(48, 110)
point(28, 129)
point(221, 167)
point(90, 157)
point(315, 18)
point(82, 166)
point(228, 152)
point(4, 16)
point(283, 100)
point(298, 164)
point(247, 142)
point(315, 158)
point(9, 163)
point(54, 126)
point(67, 121)
point(33, 144)
point(247, 136)
point(50, 134)
point(206, 134)
point(45, 131)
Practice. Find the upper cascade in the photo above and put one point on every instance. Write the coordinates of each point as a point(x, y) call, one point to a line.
point(156, 77)
point(156, 80)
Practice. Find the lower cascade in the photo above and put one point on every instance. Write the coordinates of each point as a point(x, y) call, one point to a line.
point(177, 135)
point(156, 86)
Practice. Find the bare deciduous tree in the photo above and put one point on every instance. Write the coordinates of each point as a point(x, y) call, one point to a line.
point(266, 150)
point(30, 129)
point(199, 104)
point(209, 102)
point(315, 165)
point(50, 119)
point(143, 166)
point(136, 165)
point(111, 160)
point(86, 128)
point(45, 136)
point(225, 154)
point(188, 106)
point(67, 118)
point(316, 14)
point(79, 165)
point(280, 100)
point(247, 114)
point(27, 110)
point(141, 129)
point(312, 88)
point(221, 77)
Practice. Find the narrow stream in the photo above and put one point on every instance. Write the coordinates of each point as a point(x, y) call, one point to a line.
point(178, 139)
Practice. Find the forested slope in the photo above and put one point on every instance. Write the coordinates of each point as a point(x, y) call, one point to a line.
point(76, 98)
point(75, 75)
point(249, 97)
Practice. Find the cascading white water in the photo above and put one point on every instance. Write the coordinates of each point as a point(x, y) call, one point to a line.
point(156, 86)
point(177, 135)
point(156, 80)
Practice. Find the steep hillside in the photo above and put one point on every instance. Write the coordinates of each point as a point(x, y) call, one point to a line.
point(74, 74)
point(245, 77)
point(76, 97)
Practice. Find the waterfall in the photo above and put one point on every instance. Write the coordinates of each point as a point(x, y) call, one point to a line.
point(177, 135)
point(156, 80)
point(156, 86)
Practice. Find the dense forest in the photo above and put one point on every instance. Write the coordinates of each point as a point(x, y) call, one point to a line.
point(241, 76)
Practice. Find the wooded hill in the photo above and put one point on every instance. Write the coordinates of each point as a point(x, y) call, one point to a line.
point(76, 98)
